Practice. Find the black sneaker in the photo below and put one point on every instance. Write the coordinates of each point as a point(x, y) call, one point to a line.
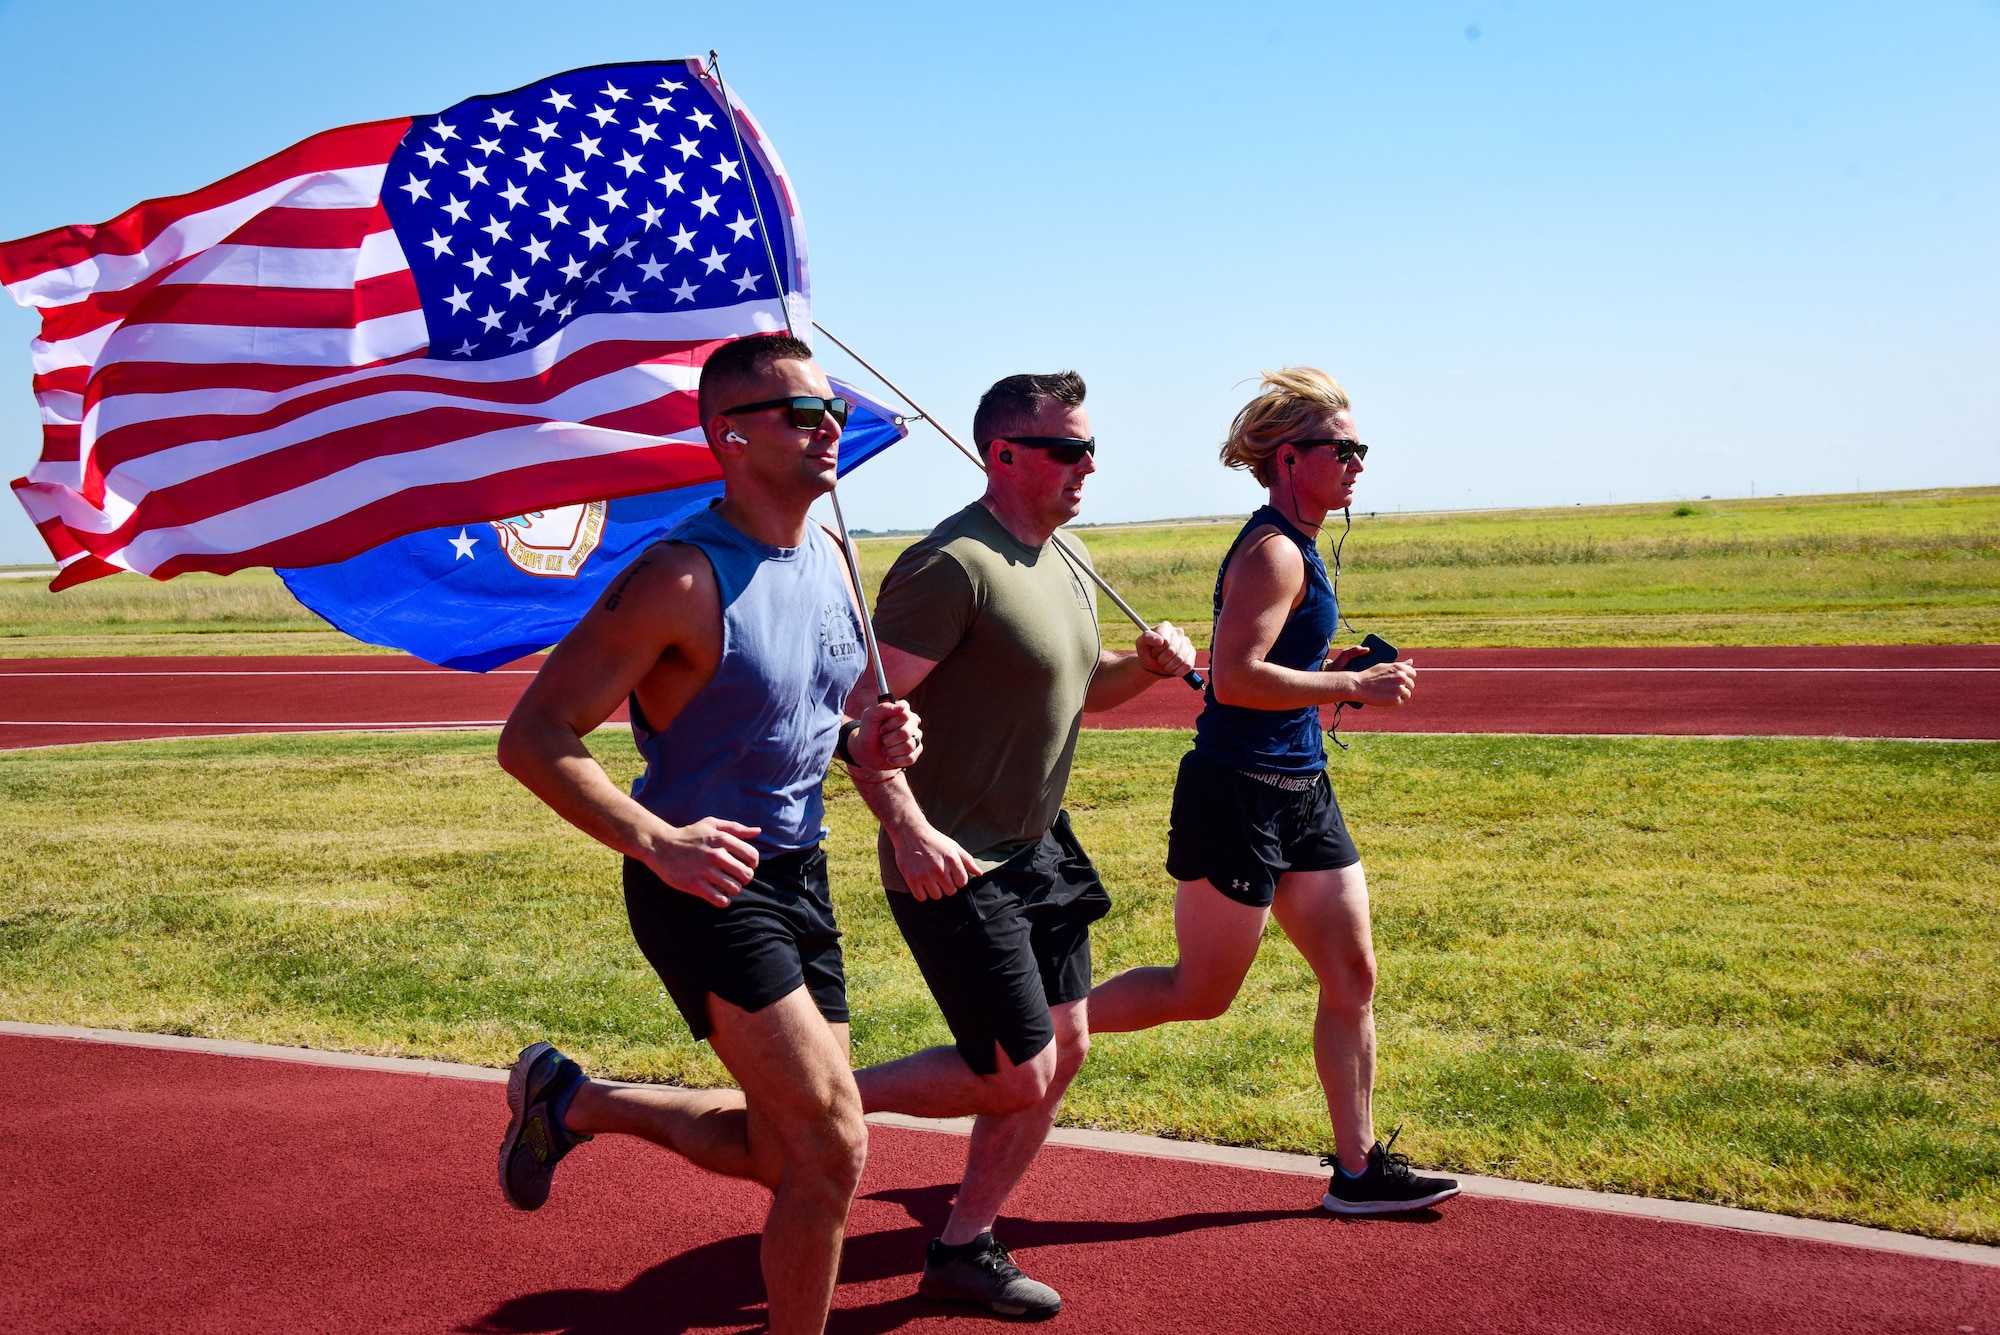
point(536, 1139)
point(983, 1274)
point(1388, 1185)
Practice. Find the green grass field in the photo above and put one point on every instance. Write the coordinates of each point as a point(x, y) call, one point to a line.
point(1912, 567)
point(1760, 972)
point(1903, 567)
point(247, 613)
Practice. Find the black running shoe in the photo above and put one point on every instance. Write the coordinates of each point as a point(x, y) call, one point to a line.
point(1388, 1185)
point(983, 1274)
point(536, 1139)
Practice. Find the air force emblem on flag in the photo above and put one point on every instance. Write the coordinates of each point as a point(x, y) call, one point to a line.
point(476, 596)
point(552, 542)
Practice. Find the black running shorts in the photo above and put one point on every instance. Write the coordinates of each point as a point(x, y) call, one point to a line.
point(777, 934)
point(1241, 832)
point(1006, 947)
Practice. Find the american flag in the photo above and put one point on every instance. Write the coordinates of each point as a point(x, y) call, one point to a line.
point(393, 326)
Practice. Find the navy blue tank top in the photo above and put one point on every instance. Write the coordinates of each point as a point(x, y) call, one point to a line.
point(1275, 741)
point(754, 742)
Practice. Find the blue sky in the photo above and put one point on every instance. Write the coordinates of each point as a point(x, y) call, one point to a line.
point(1557, 253)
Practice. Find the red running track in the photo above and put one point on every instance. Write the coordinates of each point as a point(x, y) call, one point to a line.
point(167, 1191)
point(1851, 691)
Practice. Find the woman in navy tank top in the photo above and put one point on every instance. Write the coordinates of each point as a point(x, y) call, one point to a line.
point(1256, 829)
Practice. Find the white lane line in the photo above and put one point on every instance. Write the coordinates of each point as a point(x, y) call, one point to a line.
point(358, 725)
point(1119, 1142)
point(271, 729)
point(529, 672)
point(1712, 667)
point(290, 672)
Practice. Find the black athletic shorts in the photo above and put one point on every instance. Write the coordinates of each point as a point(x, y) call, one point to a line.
point(1008, 946)
point(1241, 832)
point(776, 934)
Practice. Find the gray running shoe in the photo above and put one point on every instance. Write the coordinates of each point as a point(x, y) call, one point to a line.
point(536, 1139)
point(983, 1274)
point(1387, 1186)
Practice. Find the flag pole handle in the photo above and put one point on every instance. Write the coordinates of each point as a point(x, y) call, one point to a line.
point(1192, 677)
point(883, 695)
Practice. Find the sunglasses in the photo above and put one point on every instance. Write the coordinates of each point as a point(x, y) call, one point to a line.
point(1062, 449)
point(1347, 451)
point(807, 411)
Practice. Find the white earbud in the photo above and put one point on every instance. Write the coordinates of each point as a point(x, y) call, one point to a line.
point(734, 439)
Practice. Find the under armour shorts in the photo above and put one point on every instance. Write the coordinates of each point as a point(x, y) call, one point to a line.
point(1240, 832)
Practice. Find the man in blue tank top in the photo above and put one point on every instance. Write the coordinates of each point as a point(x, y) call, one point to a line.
point(736, 641)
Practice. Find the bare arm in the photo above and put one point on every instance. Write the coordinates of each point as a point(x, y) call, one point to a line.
point(662, 617)
point(1265, 580)
point(1164, 651)
point(932, 864)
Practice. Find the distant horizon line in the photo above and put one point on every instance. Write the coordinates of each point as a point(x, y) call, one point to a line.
point(26, 570)
point(1489, 509)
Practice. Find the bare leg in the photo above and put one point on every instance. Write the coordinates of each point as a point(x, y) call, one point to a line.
point(1325, 913)
point(704, 1126)
point(796, 1128)
point(936, 1082)
point(805, 1130)
point(1218, 940)
point(1005, 1144)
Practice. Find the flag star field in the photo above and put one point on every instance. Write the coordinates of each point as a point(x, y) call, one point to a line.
point(601, 190)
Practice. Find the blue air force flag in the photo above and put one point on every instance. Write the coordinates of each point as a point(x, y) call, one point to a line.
point(474, 596)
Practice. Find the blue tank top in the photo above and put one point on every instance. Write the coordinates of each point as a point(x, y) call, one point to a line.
point(1275, 741)
point(754, 742)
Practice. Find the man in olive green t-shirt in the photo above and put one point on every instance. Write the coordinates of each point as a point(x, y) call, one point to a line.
point(990, 629)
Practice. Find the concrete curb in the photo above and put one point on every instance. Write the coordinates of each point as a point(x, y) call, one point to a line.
point(1120, 1142)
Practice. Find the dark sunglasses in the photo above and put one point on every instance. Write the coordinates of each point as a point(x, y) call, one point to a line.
point(806, 410)
point(1347, 451)
point(1062, 449)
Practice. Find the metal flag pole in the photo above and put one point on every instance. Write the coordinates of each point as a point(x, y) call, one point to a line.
point(883, 693)
point(1192, 677)
point(750, 183)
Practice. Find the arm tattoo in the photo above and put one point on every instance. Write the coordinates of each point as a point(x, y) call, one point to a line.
point(617, 594)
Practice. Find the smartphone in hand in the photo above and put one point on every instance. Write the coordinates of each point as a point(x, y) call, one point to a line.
point(1378, 650)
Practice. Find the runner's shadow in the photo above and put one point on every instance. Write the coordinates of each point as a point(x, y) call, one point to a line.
point(720, 1283)
point(931, 1206)
point(716, 1284)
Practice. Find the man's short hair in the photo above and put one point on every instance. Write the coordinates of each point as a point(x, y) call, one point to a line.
point(1013, 404)
point(737, 363)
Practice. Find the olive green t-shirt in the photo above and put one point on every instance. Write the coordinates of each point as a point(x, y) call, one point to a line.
point(1013, 630)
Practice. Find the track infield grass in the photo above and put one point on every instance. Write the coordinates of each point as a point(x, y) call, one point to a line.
point(1891, 568)
point(1760, 972)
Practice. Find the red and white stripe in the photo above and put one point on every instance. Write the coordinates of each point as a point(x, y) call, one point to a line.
point(236, 377)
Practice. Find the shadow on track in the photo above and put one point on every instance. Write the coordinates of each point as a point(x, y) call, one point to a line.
point(719, 1284)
